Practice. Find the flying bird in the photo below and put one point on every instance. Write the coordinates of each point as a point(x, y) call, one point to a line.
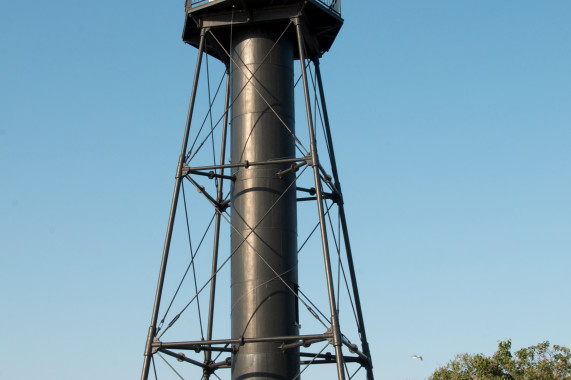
point(417, 357)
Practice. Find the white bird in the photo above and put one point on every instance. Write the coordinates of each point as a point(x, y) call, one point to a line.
point(417, 357)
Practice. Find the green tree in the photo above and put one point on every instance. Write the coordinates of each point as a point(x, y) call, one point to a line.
point(539, 362)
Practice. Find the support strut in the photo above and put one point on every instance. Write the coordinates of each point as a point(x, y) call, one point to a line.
point(348, 250)
point(153, 328)
point(315, 164)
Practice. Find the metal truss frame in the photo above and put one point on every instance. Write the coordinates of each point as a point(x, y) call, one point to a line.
point(333, 335)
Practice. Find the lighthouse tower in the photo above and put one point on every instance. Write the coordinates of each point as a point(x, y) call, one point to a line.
point(260, 169)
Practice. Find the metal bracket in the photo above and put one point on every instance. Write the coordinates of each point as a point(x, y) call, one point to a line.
point(309, 160)
point(156, 345)
point(184, 170)
point(330, 332)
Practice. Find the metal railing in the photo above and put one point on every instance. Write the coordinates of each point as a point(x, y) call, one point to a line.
point(195, 3)
point(334, 5)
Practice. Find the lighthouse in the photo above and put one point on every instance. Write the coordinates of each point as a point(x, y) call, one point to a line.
point(256, 190)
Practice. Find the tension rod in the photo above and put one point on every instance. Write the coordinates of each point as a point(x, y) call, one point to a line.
point(292, 169)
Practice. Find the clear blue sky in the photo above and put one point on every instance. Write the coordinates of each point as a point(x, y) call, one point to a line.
point(452, 126)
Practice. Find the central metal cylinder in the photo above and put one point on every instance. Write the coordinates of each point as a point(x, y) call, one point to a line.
point(264, 214)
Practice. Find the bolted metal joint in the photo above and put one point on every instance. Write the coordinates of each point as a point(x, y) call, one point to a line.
point(156, 346)
point(222, 206)
point(309, 160)
point(183, 171)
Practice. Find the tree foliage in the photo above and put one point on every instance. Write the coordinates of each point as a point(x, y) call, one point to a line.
point(539, 362)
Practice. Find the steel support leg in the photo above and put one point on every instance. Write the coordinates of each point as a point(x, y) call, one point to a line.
point(219, 199)
point(315, 164)
point(348, 251)
point(166, 249)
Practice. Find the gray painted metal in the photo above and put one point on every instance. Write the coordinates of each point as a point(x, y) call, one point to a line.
point(153, 327)
point(323, 22)
point(348, 249)
point(264, 213)
point(265, 341)
point(219, 199)
point(322, 224)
